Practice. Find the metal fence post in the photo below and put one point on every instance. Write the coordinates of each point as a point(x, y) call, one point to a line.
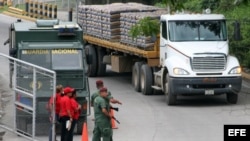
point(50, 11)
point(70, 14)
point(55, 11)
point(26, 7)
point(31, 9)
point(36, 10)
point(41, 10)
point(46, 10)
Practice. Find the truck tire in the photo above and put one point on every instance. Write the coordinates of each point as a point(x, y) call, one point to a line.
point(232, 98)
point(92, 68)
point(146, 80)
point(136, 73)
point(170, 97)
point(101, 68)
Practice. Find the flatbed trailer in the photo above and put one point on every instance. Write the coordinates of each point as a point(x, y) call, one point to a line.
point(117, 46)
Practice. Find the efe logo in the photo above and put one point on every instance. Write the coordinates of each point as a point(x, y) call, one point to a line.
point(236, 132)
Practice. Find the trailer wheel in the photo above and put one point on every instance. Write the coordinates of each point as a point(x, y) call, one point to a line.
point(170, 97)
point(92, 67)
point(232, 98)
point(101, 66)
point(146, 80)
point(136, 73)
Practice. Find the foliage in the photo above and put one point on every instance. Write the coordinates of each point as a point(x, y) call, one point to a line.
point(194, 6)
point(173, 5)
point(4, 8)
point(240, 48)
point(246, 61)
point(145, 27)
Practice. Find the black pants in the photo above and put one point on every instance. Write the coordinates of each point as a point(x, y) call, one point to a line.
point(71, 131)
point(65, 133)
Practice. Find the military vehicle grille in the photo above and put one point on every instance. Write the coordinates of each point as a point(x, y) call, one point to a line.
point(215, 63)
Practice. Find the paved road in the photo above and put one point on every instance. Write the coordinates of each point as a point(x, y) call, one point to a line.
point(147, 118)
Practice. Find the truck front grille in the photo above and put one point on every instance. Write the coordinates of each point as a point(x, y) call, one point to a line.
point(211, 62)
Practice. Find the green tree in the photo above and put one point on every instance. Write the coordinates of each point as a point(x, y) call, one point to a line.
point(172, 5)
point(145, 27)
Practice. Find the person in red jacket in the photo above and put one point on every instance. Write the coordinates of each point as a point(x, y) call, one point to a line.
point(75, 109)
point(66, 114)
point(59, 92)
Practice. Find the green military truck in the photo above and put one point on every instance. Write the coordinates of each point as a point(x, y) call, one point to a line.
point(57, 46)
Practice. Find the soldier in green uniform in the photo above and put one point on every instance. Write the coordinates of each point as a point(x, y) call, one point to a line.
point(102, 117)
point(99, 85)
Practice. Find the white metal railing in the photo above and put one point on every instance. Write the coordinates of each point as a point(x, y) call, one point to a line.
point(23, 110)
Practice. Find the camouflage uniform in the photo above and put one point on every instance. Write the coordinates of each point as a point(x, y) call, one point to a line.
point(102, 122)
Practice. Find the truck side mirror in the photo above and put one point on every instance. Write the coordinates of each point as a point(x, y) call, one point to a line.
point(237, 35)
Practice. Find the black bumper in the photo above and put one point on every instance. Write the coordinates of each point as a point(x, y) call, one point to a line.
point(198, 86)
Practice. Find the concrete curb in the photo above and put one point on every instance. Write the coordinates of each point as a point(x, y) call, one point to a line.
point(19, 16)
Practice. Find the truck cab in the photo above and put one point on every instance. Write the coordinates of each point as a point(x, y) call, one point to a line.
point(195, 60)
point(56, 46)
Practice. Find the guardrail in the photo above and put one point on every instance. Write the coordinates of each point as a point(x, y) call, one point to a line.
point(16, 11)
point(34, 9)
point(41, 10)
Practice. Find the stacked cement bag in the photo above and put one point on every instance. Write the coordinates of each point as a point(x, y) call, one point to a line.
point(110, 21)
point(90, 19)
point(130, 19)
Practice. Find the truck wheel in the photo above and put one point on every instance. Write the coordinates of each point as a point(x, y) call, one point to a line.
point(136, 73)
point(92, 67)
point(101, 67)
point(146, 80)
point(232, 98)
point(170, 97)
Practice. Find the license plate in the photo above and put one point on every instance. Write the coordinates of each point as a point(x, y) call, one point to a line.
point(209, 92)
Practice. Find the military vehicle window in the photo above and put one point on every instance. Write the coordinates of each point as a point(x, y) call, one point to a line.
point(40, 57)
point(65, 59)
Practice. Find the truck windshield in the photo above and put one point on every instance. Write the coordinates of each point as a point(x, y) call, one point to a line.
point(207, 30)
point(56, 59)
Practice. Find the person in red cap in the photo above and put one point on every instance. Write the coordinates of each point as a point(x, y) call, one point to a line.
point(59, 91)
point(66, 113)
point(75, 112)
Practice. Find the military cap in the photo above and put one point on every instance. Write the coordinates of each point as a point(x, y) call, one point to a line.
point(99, 82)
point(104, 89)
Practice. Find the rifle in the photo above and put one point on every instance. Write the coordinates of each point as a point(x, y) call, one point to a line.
point(115, 108)
point(116, 120)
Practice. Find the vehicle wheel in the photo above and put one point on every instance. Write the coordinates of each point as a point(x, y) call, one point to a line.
point(232, 98)
point(146, 80)
point(92, 68)
point(136, 73)
point(101, 68)
point(170, 97)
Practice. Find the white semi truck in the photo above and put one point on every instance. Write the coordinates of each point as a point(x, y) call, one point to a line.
point(189, 57)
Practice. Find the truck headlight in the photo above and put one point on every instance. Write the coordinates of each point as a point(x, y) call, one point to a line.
point(235, 70)
point(179, 71)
